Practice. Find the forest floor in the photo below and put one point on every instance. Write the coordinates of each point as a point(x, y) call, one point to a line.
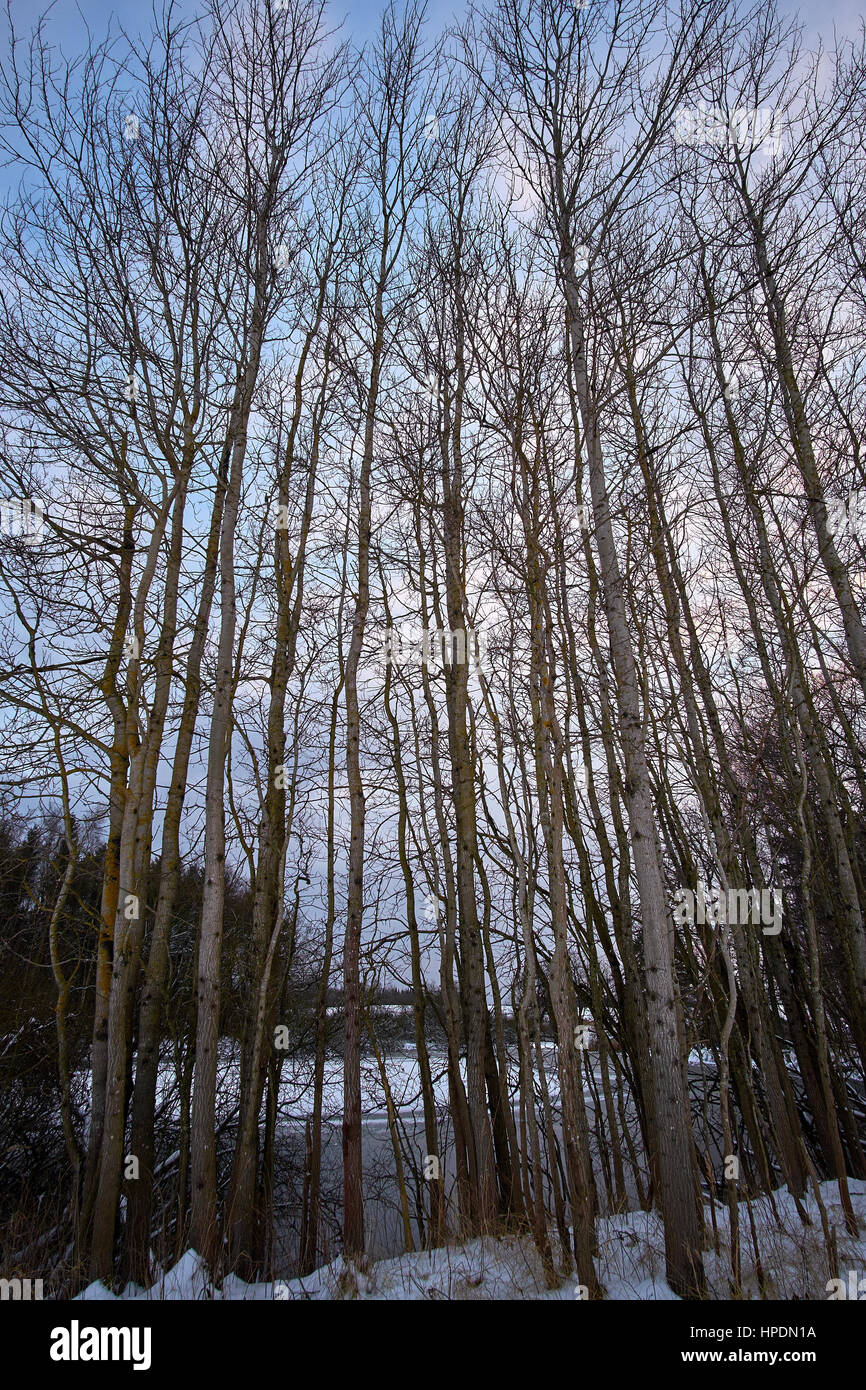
point(630, 1263)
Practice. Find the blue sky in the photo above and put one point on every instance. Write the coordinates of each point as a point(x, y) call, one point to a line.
point(67, 18)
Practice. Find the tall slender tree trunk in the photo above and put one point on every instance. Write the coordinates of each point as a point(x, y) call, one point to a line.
point(672, 1136)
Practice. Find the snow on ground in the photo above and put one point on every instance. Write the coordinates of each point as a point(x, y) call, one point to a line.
point(630, 1263)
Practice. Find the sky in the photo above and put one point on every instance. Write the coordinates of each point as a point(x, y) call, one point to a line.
point(67, 19)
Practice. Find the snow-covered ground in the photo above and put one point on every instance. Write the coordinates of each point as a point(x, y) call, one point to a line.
point(630, 1264)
